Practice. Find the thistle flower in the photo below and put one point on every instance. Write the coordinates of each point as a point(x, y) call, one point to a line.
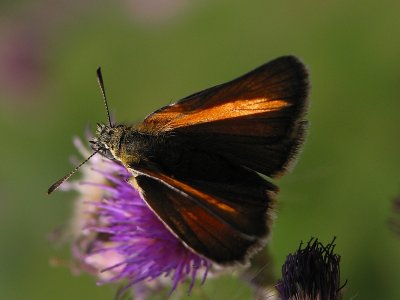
point(151, 12)
point(117, 237)
point(22, 53)
point(311, 273)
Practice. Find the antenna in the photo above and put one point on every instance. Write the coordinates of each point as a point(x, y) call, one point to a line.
point(60, 181)
point(103, 92)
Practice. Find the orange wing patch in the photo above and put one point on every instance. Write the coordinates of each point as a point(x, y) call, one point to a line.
point(228, 110)
point(182, 187)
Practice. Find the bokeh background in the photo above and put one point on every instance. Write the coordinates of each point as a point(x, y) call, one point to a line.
point(155, 51)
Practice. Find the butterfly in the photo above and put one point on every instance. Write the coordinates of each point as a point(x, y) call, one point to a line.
point(203, 164)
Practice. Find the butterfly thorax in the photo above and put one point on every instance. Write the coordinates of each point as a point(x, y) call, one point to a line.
point(132, 147)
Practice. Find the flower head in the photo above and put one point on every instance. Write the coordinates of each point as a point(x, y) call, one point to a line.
point(311, 273)
point(118, 237)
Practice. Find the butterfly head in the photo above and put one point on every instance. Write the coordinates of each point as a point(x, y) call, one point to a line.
point(107, 140)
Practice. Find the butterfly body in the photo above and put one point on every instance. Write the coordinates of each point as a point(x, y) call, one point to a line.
point(133, 148)
point(197, 163)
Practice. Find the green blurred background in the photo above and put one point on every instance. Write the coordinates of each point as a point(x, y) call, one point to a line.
point(153, 52)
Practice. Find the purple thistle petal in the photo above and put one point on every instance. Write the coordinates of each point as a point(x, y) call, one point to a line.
point(121, 237)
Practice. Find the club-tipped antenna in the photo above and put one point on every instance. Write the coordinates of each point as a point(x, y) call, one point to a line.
point(103, 92)
point(60, 181)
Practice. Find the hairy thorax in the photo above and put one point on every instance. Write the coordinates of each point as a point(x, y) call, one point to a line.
point(137, 148)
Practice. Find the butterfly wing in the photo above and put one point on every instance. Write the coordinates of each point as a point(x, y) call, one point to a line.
point(255, 120)
point(202, 183)
point(222, 221)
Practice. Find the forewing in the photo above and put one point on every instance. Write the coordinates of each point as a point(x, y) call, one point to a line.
point(255, 120)
point(277, 85)
point(224, 222)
